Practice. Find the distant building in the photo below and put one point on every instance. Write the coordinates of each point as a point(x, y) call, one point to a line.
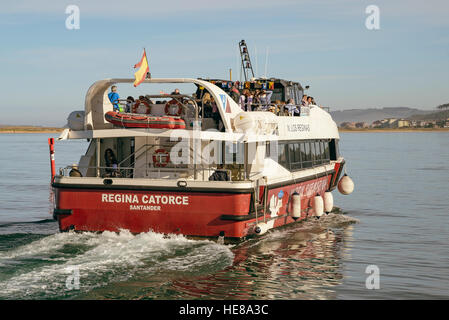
point(401, 123)
point(361, 125)
point(347, 125)
point(376, 124)
point(446, 123)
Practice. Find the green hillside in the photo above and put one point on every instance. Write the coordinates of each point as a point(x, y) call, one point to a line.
point(438, 115)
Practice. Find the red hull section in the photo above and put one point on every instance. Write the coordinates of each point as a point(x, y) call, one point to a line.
point(192, 213)
point(133, 120)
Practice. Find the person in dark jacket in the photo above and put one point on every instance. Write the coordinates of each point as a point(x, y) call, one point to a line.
point(75, 172)
point(219, 174)
point(111, 163)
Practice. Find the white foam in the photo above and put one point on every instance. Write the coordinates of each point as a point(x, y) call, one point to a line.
point(112, 257)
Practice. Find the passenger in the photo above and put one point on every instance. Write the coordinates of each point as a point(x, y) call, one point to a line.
point(114, 98)
point(242, 99)
point(291, 107)
point(279, 107)
point(235, 94)
point(176, 91)
point(249, 101)
point(111, 163)
point(219, 174)
point(216, 115)
point(75, 172)
point(207, 105)
point(265, 98)
point(309, 100)
point(256, 101)
point(304, 102)
point(129, 104)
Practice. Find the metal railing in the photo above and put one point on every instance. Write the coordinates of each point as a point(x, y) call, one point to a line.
point(171, 173)
point(281, 109)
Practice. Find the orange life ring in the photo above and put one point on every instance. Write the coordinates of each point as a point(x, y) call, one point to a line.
point(136, 105)
point(158, 155)
point(173, 102)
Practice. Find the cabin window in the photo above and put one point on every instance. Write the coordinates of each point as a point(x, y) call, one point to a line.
point(297, 155)
point(312, 153)
point(282, 152)
point(326, 151)
point(307, 151)
point(333, 147)
point(318, 153)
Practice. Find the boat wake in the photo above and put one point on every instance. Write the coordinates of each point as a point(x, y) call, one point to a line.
point(65, 265)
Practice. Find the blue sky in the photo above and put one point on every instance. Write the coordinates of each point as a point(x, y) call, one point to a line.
point(46, 69)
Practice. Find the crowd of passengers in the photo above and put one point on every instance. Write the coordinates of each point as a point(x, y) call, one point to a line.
point(260, 100)
point(248, 100)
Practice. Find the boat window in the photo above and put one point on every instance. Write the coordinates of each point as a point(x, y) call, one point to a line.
point(308, 162)
point(303, 153)
point(333, 147)
point(318, 153)
point(326, 151)
point(312, 152)
point(282, 152)
point(297, 155)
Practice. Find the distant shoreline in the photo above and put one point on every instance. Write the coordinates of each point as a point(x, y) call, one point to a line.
point(393, 130)
point(29, 129)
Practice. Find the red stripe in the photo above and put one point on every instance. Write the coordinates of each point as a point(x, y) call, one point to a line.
point(141, 60)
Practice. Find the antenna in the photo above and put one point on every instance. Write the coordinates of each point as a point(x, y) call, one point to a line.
point(266, 63)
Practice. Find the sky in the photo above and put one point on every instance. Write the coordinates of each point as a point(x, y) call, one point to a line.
point(46, 68)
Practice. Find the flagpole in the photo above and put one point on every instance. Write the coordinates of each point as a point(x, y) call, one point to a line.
point(148, 75)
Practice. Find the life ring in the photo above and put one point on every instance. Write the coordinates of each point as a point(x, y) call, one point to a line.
point(158, 157)
point(169, 104)
point(136, 106)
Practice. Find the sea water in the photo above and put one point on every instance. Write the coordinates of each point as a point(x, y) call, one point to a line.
point(395, 223)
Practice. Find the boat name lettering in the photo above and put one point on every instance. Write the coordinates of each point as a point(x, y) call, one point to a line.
point(298, 127)
point(144, 199)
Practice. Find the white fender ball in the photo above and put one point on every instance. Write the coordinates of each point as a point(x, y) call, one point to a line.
point(328, 201)
point(318, 205)
point(296, 206)
point(345, 185)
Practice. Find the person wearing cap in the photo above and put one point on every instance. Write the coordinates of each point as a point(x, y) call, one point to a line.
point(75, 172)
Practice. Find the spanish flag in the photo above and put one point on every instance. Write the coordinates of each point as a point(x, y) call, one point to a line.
point(143, 69)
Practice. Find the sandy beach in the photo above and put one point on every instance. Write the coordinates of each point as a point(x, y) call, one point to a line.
point(394, 130)
point(29, 129)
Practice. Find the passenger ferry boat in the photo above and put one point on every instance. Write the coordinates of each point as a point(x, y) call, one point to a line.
point(232, 174)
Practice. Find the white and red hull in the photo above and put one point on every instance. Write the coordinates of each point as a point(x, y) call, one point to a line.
point(191, 211)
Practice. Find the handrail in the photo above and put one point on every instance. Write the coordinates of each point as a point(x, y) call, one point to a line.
point(116, 172)
point(304, 110)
